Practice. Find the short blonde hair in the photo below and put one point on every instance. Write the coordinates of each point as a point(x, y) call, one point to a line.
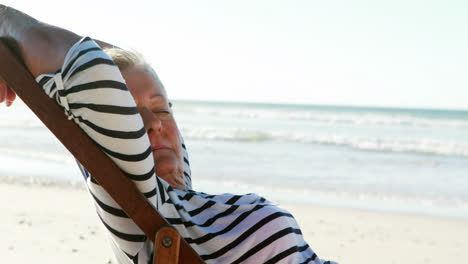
point(126, 59)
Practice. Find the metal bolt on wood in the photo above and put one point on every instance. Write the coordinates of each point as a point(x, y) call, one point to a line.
point(167, 242)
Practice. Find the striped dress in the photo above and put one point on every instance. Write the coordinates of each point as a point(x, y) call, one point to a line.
point(223, 228)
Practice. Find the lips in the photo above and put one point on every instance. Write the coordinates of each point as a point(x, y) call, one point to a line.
point(158, 147)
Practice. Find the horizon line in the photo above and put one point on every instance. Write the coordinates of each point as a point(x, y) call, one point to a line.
point(400, 107)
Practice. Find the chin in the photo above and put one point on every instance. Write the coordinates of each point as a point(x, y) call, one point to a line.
point(173, 174)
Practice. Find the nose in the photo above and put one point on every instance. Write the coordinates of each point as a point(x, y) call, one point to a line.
point(151, 122)
point(155, 124)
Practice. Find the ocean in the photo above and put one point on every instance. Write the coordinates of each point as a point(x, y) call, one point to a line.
point(411, 161)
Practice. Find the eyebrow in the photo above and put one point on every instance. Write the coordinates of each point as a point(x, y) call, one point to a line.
point(152, 97)
point(156, 95)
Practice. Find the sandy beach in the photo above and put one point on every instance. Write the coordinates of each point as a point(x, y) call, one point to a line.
point(57, 224)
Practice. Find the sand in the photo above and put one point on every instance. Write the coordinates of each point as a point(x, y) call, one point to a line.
point(357, 236)
point(57, 224)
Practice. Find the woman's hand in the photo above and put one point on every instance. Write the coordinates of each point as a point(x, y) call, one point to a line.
point(6, 93)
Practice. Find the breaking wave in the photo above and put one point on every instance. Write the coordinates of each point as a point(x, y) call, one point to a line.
point(379, 144)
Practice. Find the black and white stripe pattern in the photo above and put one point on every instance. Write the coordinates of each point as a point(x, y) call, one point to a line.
point(222, 228)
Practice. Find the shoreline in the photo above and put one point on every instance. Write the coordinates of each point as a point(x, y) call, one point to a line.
point(56, 224)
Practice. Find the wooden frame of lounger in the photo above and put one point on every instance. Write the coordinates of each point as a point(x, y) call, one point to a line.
point(169, 246)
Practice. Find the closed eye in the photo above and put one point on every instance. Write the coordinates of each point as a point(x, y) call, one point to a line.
point(163, 115)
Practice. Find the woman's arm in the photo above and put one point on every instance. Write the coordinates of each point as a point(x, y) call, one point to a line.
point(42, 47)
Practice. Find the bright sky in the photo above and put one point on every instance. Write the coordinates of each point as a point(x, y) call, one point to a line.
point(378, 53)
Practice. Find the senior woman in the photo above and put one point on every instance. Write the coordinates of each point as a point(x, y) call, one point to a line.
point(123, 107)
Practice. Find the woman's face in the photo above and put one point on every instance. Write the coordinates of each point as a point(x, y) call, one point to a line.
point(152, 103)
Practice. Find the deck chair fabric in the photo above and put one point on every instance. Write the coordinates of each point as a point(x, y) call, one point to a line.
point(221, 228)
